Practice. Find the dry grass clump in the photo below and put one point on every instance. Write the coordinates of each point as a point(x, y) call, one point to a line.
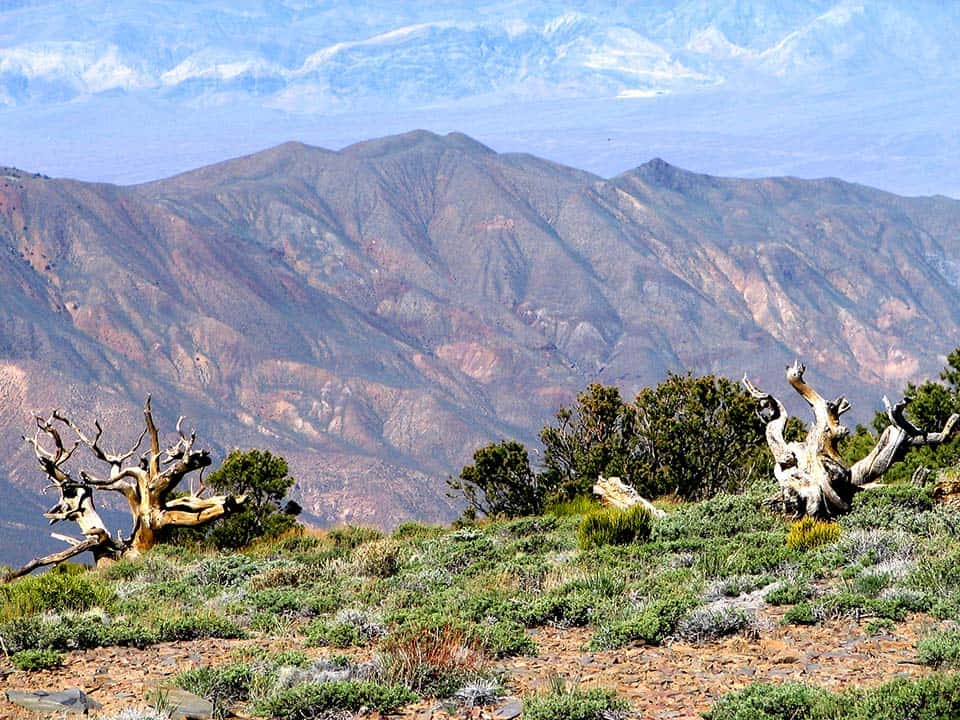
point(808, 533)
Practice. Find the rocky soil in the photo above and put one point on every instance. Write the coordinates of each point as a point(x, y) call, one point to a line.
point(675, 681)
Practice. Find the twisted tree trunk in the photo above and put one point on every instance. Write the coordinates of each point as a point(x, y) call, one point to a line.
point(813, 478)
point(148, 488)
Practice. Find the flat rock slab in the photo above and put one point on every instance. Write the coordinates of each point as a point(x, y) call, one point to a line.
point(509, 709)
point(185, 705)
point(74, 701)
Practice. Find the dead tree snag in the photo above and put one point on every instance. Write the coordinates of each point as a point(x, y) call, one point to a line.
point(149, 487)
point(813, 477)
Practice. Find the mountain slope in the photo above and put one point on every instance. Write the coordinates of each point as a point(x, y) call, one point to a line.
point(375, 314)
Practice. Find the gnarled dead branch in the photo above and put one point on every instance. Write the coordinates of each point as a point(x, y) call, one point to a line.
point(148, 486)
point(813, 477)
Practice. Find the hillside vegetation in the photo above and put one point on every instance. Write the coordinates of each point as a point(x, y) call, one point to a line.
point(354, 618)
point(378, 621)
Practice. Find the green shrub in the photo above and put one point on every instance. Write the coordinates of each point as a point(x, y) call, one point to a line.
point(504, 639)
point(652, 624)
point(22, 633)
point(338, 635)
point(789, 593)
point(580, 505)
point(936, 697)
point(71, 632)
point(123, 569)
point(31, 660)
point(286, 600)
point(941, 649)
point(563, 703)
point(348, 628)
point(722, 516)
point(223, 686)
point(851, 604)
point(892, 507)
point(526, 527)
point(808, 533)
point(185, 590)
point(66, 587)
point(871, 584)
point(263, 478)
point(904, 497)
point(378, 558)
point(937, 574)
point(801, 614)
point(349, 537)
point(192, 627)
point(560, 610)
point(416, 531)
point(76, 632)
point(288, 575)
point(750, 554)
point(306, 702)
point(225, 570)
point(879, 626)
point(790, 701)
point(611, 526)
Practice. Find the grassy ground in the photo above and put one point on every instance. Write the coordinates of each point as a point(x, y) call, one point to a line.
point(437, 606)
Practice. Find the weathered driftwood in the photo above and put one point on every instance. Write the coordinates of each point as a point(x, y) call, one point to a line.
point(148, 487)
point(814, 479)
point(613, 491)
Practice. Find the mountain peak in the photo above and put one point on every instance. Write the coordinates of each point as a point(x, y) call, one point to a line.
point(657, 167)
point(660, 173)
point(417, 139)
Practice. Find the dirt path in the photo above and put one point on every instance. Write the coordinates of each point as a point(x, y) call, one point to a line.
point(674, 681)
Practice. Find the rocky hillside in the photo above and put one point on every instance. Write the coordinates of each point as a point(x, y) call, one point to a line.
point(375, 314)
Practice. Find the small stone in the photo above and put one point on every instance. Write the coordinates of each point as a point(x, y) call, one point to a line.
point(509, 709)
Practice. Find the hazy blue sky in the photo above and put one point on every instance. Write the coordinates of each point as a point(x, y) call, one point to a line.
point(127, 91)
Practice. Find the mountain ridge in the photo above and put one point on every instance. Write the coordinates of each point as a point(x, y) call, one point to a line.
point(376, 313)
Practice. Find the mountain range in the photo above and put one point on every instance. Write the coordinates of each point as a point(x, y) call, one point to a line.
point(332, 54)
point(375, 314)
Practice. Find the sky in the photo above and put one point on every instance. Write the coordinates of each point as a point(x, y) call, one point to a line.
point(129, 91)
